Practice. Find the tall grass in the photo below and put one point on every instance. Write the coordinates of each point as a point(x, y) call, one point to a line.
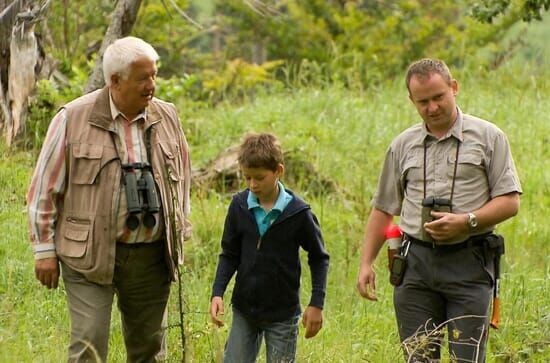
point(344, 134)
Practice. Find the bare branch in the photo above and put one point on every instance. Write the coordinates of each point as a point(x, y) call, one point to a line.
point(262, 8)
point(184, 15)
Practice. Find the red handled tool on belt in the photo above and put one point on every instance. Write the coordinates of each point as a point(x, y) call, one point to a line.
point(393, 236)
point(497, 244)
point(495, 318)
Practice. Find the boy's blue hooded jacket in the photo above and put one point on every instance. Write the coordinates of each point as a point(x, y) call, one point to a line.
point(268, 267)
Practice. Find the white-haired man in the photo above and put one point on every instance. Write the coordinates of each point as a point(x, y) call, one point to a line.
point(109, 202)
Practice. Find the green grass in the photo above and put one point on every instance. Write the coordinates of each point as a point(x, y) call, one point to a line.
point(344, 134)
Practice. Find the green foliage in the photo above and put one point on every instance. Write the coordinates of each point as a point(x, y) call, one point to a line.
point(240, 79)
point(41, 111)
point(186, 88)
point(357, 42)
point(528, 10)
point(49, 96)
point(170, 34)
point(74, 29)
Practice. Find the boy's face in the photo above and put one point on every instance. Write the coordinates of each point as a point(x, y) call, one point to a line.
point(263, 182)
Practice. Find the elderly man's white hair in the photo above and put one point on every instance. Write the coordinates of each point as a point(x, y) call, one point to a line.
point(120, 55)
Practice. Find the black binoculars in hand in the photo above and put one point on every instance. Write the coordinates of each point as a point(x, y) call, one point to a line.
point(141, 195)
point(430, 204)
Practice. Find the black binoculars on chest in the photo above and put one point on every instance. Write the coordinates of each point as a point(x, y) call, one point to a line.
point(430, 204)
point(141, 195)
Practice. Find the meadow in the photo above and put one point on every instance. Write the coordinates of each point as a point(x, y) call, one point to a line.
point(344, 134)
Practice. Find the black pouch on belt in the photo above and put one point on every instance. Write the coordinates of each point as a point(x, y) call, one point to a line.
point(399, 264)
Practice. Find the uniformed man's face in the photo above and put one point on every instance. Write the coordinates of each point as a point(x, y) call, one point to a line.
point(133, 94)
point(434, 100)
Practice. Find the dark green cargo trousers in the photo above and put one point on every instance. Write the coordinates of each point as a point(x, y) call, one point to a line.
point(445, 289)
point(142, 286)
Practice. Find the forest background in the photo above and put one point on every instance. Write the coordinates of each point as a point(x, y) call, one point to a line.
point(327, 78)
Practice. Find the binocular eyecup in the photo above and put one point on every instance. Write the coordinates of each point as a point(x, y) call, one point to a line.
point(433, 202)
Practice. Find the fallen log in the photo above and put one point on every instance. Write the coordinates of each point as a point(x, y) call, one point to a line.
point(222, 174)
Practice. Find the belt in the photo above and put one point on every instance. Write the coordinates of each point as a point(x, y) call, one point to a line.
point(473, 241)
point(156, 243)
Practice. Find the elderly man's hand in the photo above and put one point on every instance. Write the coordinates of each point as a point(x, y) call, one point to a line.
point(47, 272)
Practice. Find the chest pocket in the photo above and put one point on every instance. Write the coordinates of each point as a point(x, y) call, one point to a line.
point(88, 160)
point(412, 170)
point(172, 158)
point(86, 164)
point(470, 164)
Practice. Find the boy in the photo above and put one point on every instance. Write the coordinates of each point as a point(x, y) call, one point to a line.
point(264, 228)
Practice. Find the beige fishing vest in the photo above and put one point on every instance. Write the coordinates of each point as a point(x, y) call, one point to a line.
point(86, 226)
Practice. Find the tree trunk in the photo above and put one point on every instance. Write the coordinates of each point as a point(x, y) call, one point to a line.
point(18, 46)
point(8, 12)
point(124, 17)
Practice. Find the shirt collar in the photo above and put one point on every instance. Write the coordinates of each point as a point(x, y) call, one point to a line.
point(455, 131)
point(115, 112)
point(280, 204)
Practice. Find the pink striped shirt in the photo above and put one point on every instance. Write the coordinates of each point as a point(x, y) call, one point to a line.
point(45, 195)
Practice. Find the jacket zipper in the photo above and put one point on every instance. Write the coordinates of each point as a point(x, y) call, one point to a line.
point(259, 244)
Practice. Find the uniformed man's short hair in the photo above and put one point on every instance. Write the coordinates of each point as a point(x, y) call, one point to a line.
point(423, 68)
point(260, 151)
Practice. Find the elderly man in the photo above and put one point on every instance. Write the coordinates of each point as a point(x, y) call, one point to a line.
point(452, 180)
point(109, 202)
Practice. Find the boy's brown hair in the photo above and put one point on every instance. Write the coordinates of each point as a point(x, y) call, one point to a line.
point(260, 151)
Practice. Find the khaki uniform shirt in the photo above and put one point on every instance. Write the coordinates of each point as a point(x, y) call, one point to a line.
point(485, 170)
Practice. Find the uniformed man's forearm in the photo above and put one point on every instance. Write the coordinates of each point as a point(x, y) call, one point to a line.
point(498, 210)
point(374, 235)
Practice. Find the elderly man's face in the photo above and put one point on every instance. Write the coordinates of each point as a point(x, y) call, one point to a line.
point(132, 95)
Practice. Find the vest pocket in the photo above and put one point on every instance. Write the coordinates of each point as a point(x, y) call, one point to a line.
point(73, 245)
point(172, 160)
point(87, 163)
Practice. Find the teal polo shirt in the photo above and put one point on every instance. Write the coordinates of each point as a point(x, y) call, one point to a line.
point(263, 218)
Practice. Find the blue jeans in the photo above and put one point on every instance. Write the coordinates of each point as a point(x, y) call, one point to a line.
point(245, 338)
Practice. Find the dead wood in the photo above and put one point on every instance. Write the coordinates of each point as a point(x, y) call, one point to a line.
point(124, 17)
point(222, 174)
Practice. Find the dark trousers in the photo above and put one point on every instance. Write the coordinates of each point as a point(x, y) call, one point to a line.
point(141, 283)
point(445, 288)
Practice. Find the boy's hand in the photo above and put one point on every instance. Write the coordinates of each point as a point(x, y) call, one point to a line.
point(312, 321)
point(216, 310)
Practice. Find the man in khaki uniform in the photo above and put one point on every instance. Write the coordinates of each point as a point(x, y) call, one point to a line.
point(464, 164)
point(109, 202)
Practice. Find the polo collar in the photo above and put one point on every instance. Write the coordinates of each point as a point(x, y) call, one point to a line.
point(253, 202)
